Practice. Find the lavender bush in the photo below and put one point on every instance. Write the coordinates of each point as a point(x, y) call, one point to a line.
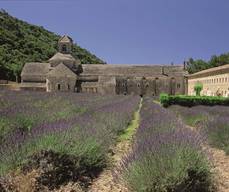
point(166, 156)
point(212, 120)
point(79, 125)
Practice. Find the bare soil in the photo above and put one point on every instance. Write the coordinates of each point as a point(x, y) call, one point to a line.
point(221, 169)
point(105, 182)
point(220, 166)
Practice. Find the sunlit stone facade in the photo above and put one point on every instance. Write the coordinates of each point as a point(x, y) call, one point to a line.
point(215, 81)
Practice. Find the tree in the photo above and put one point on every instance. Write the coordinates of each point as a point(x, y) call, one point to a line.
point(199, 64)
point(21, 42)
point(198, 88)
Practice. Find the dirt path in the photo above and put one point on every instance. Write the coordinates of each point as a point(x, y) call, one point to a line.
point(105, 182)
point(220, 167)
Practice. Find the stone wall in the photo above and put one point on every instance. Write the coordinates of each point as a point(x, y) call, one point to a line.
point(61, 84)
point(137, 80)
point(150, 86)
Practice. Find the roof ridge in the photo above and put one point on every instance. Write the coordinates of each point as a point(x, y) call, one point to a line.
point(210, 69)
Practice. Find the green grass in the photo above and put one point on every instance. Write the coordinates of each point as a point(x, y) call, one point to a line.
point(128, 133)
point(193, 120)
point(5, 127)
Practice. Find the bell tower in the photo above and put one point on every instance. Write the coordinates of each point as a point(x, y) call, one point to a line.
point(65, 45)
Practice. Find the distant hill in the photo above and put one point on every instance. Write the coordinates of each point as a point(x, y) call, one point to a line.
point(21, 42)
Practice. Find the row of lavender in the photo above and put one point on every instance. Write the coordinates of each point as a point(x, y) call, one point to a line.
point(213, 121)
point(166, 156)
point(81, 126)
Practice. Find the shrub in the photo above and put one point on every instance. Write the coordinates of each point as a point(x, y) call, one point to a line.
point(164, 99)
point(189, 101)
point(198, 88)
point(217, 129)
point(67, 125)
point(211, 120)
point(166, 156)
point(170, 172)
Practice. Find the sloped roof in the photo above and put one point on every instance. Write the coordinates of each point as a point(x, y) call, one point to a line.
point(62, 57)
point(206, 72)
point(65, 39)
point(61, 71)
point(131, 70)
point(34, 69)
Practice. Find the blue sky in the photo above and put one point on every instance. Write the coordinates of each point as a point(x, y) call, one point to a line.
point(134, 31)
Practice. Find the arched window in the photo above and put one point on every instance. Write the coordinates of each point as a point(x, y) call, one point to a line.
point(68, 87)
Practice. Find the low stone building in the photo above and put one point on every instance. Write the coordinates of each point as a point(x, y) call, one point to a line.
point(63, 72)
point(215, 81)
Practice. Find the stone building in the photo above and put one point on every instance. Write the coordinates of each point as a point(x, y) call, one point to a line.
point(63, 72)
point(215, 81)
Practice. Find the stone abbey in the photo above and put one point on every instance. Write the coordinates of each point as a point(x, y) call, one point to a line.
point(63, 72)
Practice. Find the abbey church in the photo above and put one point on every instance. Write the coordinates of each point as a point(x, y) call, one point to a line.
point(65, 73)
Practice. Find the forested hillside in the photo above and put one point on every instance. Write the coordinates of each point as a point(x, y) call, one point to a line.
point(215, 61)
point(21, 42)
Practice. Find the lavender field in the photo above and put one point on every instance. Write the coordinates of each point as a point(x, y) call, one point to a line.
point(75, 131)
point(166, 155)
point(70, 138)
point(213, 121)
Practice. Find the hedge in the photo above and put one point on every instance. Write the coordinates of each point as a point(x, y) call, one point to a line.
point(189, 101)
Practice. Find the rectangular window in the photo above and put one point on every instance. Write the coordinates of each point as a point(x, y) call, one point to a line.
point(178, 85)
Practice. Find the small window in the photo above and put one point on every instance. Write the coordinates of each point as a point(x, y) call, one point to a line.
point(58, 86)
point(64, 48)
point(178, 85)
point(123, 84)
point(138, 84)
point(147, 84)
point(68, 87)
